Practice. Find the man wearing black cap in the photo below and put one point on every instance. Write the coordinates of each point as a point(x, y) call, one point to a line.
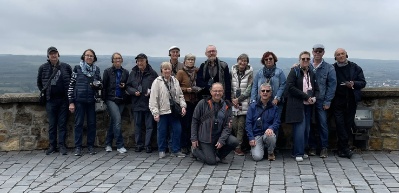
point(138, 86)
point(174, 53)
point(53, 80)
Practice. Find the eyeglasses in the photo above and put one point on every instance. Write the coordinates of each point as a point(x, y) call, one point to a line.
point(319, 51)
point(117, 58)
point(89, 56)
point(217, 91)
point(305, 59)
point(211, 51)
point(265, 91)
point(269, 59)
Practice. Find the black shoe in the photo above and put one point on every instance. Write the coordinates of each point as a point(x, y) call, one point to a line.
point(50, 150)
point(63, 150)
point(148, 149)
point(346, 153)
point(78, 151)
point(91, 150)
point(138, 149)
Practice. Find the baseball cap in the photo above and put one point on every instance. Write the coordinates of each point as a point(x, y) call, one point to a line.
point(174, 47)
point(51, 49)
point(320, 46)
point(142, 56)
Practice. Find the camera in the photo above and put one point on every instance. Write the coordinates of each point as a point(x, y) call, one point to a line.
point(238, 93)
point(96, 85)
point(210, 82)
point(259, 122)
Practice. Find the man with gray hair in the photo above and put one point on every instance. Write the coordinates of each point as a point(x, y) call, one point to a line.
point(262, 123)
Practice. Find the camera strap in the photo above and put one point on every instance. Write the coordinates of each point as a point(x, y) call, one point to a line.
point(55, 70)
point(167, 86)
point(260, 114)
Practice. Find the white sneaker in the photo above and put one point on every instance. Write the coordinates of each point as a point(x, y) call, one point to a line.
point(298, 158)
point(121, 150)
point(108, 148)
point(305, 156)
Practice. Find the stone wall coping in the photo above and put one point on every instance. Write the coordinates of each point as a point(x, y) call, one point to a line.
point(34, 97)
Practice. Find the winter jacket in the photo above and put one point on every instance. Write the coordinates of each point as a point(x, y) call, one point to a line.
point(202, 129)
point(79, 86)
point(270, 119)
point(45, 72)
point(357, 76)
point(326, 80)
point(137, 79)
point(159, 98)
point(296, 96)
point(109, 83)
point(277, 82)
point(244, 84)
point(222, 76)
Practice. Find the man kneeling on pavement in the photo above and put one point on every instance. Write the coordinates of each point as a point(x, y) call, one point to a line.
point(210, 131)
point(262, 125)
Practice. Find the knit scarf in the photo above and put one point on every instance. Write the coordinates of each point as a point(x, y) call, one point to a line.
point(268, 73)
point(87, 70)
point(191, 74)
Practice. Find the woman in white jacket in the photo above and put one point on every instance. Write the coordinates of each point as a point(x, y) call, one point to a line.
point(163, 88)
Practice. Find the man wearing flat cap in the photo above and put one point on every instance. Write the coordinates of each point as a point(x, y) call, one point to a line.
point(138, 86)
point(53, 80)
point(174, 54)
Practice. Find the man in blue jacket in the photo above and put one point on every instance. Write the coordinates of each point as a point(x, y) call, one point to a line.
point(262, 124)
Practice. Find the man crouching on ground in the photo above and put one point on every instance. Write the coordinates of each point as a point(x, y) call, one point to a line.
point(210, 132)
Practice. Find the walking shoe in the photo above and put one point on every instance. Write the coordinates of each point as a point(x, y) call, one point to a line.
point(148, 149)
point(178, 154)
point(238, 152)
point(91, 150)
point(271, 157)
point(185, 151)
point(50, 150)
point(138, 149)
point(324, 153)
point(78, 151)
point(312, 152)
point(305, 156)
point(162, 154)
point(222, 161)
point(121, 150)
point(63, 150)
point(108, 148)
point(346, 153)
point(298, 158)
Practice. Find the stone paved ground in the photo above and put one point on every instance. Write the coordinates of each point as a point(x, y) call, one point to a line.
point(33, 171)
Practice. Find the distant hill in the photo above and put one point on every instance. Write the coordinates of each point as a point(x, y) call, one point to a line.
point(18, 72)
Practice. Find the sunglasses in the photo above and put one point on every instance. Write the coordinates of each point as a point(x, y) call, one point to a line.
point(265, 91)
point(319, 51)
point(305, 59)
point(269, 59)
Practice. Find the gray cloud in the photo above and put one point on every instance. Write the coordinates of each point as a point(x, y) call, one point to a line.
point(367, 29)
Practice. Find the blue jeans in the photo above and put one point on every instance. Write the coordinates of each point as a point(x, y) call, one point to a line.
point(139, 117)
point(115, 126)
point(164, 122)
point(322, 127)
point(301, 132)
point(82, 110)
point(57, 112)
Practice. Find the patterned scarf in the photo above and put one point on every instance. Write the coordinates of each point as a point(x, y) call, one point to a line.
point(191, 74)
point(88, 70)
point(269, 72)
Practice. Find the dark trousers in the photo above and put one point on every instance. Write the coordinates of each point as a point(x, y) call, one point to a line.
point(185, 141)
point(82, 110)
point(141, 118)
point(57, 112)
point(115, 126)
point(344, 112)
point(207, 152)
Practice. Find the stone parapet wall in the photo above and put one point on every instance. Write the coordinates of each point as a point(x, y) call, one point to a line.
point(24, 125)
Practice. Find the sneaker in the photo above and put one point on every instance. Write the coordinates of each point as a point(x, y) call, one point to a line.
point(271, 157)
point(63, 150)
point(108, 148)
point(305, 156)
point(78, 151)
point(148, 149)
point(178, 154)
point(238, 152)
point(324, 153)
point(312, 152)
point(121, 150)
point(298, 159)
point(162, 154)
point(91, 150)
point(346, 153)
point(50, 150)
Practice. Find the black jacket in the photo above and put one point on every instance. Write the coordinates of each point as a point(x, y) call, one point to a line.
point(45, 72)
point(109, 83)
point(135, 81)
point(356, 75)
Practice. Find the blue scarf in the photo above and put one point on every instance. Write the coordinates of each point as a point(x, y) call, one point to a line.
point(88, 70)
point(268, 73)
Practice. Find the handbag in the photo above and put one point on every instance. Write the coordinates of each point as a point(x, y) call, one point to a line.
point(42, 95)
point(174, 106)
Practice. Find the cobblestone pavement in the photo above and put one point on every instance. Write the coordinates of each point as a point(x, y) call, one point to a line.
point(33, 171)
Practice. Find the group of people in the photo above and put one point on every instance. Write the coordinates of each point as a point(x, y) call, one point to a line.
point(207, 111)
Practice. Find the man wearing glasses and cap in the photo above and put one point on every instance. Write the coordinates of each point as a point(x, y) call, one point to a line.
point(327, 82)
point(53, 79)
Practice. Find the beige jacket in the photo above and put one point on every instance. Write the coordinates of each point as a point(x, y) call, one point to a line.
point(159, 97)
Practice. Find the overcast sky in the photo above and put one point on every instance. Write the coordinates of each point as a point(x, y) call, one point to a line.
point(365, 28)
